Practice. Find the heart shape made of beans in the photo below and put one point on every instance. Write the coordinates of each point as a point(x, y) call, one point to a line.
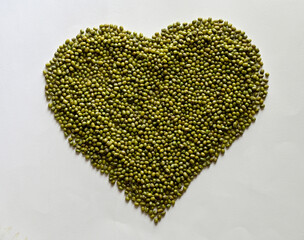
point(151, 113)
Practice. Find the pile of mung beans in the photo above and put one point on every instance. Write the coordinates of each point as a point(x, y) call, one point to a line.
point(152, 113)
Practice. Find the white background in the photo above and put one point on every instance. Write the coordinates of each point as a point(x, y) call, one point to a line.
point(47, 192)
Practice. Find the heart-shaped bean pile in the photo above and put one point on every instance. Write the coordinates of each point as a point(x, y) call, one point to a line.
point(151, 113)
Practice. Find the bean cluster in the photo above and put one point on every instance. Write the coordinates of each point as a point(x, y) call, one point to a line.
point(151, 113)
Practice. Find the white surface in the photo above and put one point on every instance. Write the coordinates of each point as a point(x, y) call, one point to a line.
point(255, 191)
